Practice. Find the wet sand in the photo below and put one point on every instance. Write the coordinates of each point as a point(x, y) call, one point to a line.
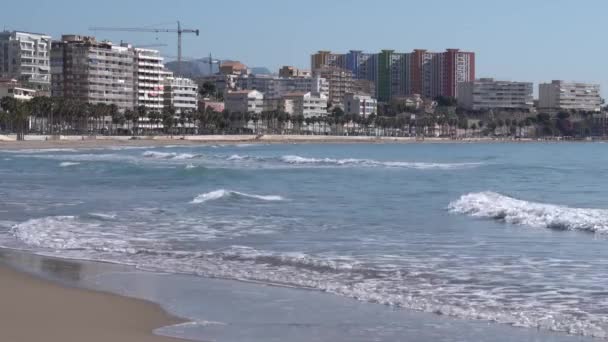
point(39, 142)
point(34, 309)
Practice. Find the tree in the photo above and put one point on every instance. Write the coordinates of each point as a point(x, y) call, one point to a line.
point(446, 101)
point(207, 89)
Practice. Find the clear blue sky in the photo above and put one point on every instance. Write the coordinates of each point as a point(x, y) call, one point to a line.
point(528, 40)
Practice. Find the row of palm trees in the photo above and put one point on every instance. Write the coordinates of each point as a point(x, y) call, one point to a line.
point(45, 115)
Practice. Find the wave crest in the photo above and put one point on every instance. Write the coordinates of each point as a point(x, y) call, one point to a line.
point(539, 215)
point(222, 193)
point(68, 164)
point(294, 159)
point(169, 155)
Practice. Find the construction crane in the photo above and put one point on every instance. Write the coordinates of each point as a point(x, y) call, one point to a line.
point(179, 32)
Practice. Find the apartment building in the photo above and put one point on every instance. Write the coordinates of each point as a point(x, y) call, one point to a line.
point(25, 56)
point(91, 71)
point(327, 59)
point(244, 101)
point(392, 75)
point(149, 77)
point(13, 88)
point(181, 94)
point(456, 67)
point(340, 83)
point(360, 104)
point(304, 104)
point(487, 93)
point(562, 95)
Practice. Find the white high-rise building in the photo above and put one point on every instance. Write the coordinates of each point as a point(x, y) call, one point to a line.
point(181, 94)
point(561, 95)
point(149, 79)
point(25, 57)
point(487, 93)
point(276, 87)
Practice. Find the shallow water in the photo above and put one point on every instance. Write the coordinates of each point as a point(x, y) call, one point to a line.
point(508, 233)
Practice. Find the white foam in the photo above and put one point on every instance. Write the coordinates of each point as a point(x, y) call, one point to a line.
point(190, 166)
point(68, 164)
point(222, 193)
point(538, 215)
point(168, 155)
point(236, 157)
point(294, 159)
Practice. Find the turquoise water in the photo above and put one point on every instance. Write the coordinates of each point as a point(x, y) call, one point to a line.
point(507, 233)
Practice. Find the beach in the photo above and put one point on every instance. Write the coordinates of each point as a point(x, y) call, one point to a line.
point(41, 141)
point(34, 309)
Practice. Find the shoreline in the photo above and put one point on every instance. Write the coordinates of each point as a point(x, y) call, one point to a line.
point(35, 309)
point(45, 142)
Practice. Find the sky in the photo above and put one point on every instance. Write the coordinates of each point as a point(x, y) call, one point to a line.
point(517, 40)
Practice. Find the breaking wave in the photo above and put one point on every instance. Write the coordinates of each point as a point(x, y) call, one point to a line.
point(511, 210)
point(218, 194)
point(169, 155)
point(292, 159)
point(68, 164)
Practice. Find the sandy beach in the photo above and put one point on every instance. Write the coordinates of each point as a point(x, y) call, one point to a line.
point(38, 310)
point(44, 142)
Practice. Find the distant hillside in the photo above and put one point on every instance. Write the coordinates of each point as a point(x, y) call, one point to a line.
point(200, 67)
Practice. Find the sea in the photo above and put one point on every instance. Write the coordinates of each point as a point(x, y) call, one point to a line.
point(330, 242)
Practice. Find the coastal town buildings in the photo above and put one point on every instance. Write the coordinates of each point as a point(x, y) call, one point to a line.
point(275, 87)
point(180, 93)
point(91, 71)
point(395, 74)
point(244, 101)
point(562, 95)
point(487, 93)
point(360, 104)
point(25, 56)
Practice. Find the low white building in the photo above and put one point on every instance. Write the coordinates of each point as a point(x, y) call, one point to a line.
point(304, 104)
point(244, 101)
point(487, 93)
point(181, 94)
point(12, 88)
point(561, 95)
point(359, 104)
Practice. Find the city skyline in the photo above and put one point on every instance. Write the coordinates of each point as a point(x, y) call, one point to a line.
point(528, 42)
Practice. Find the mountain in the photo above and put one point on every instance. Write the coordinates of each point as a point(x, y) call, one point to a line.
point(200, 67)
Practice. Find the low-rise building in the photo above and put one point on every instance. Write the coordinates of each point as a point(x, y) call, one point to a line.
point(12, 88)
point(487, 93)
point(181, 94)
point(244, 101)
point(561, 95)
point(304, 104)
point(360, 104)
point(290, 71)
point(233, 68)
